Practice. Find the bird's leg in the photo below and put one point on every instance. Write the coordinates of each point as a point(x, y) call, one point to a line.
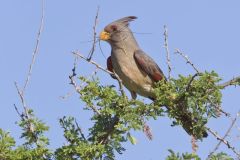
point(133, 94)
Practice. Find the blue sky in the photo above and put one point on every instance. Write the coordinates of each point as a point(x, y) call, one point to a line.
point(207, 31)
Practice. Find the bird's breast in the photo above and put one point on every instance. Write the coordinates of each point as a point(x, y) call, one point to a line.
point(132, 76)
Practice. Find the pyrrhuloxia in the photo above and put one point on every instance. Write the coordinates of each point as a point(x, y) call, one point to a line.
point(135, 68)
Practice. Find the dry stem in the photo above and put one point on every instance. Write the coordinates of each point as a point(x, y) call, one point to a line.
point(177, 51)
point(167, 51)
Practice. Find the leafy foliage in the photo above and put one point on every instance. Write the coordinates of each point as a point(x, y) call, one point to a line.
point(184, 156)
point(193, 156)
point(191, 100)
point(35, 146)
point(220, 156)
point(6, 144)
point(195, 97)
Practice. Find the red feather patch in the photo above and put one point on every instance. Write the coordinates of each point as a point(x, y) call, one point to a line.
point(109, 64)
point(157, 77)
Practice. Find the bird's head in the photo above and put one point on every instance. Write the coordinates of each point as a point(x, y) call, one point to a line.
point(117, 30)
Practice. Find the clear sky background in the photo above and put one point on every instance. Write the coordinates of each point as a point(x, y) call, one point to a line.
point(207, 31)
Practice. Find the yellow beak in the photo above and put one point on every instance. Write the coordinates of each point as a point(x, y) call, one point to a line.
point(104, 36)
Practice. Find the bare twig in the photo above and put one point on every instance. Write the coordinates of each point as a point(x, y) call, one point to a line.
point(94, 36)
point(103, 69)
point(93, 62)
point(177, 51)
point(18, 112)
point(73, 82)
point(225, 135)
point(78, 88)
point(219, 109)
point(191, 80)
point(80, 130)
point(167, 51)
point(22, 100)
point(224, 112)
point(224, 141)
point(25, 115)
point(35, 50)
point(233, 81)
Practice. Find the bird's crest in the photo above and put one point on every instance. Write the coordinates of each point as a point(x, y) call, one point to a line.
point(119, 24)
point(124, 21)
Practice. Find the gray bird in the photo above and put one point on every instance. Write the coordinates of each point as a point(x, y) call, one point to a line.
point(135, 68)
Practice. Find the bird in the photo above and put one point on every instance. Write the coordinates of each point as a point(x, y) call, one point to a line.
point(136, 69)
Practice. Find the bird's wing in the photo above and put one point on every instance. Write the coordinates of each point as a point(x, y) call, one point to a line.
point(110, 67)
point(148, 65)
point(109, 64)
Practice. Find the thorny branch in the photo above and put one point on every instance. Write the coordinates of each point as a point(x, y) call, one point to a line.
point(224, 141)
point(110, 128)
point(103, 69)
point(80, 130)
point(234, 81)
point(36, 49)
point(77, 88)
point(22, 100)
point(71, 77)
point(94, 36)
point(177, 51)
point(167, 51)
point(216, 105)
point(225, 135)
point(218, 109)
point(18, 112)
point(21, 93)
point(191, 80)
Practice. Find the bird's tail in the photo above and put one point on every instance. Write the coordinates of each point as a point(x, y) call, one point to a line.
point(189, 123)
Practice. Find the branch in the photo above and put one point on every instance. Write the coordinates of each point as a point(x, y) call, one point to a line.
point(77, 88)
point(25, 115)
point(80, 130)
point(191, 80)
point(177, 51)
point(103, 69)
point(94, 36)
point(224, 141)
point(110, 129)
point(215, 105)
point(18, 112)
point(167, 51)
point(234, 81)
point(22, 100)
point(225, 135)
point(36, 49)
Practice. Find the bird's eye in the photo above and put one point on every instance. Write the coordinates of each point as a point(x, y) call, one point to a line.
point(114, 27)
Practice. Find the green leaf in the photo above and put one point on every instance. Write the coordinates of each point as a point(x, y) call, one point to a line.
point(132, 139)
